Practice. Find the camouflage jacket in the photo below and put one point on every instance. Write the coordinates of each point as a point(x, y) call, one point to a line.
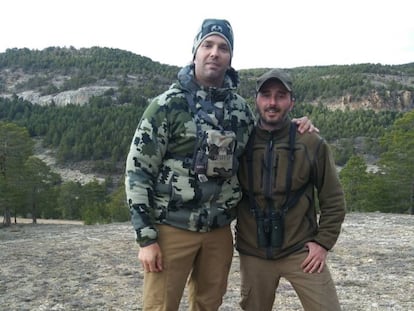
point(161, 187)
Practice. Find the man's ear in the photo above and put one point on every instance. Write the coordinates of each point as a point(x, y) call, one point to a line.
point(292, 103)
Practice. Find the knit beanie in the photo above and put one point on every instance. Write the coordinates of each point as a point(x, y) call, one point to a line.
point(210, 27)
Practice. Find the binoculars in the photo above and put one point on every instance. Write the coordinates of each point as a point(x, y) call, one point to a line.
point(270, 230)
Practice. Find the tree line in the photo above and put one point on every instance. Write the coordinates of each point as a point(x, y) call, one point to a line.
point(391, 187)
point(101, 130)
point(29, 187)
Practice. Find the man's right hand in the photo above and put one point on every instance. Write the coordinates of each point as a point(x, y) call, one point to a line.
point(151, 258)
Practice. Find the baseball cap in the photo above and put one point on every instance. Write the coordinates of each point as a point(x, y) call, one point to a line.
point(275, 74)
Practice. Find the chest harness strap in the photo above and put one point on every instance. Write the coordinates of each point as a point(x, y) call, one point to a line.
point(270, 225)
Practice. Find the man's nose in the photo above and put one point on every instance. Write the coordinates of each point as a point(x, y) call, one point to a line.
point(214, 51)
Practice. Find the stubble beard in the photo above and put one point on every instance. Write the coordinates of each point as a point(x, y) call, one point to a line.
point(272, 124)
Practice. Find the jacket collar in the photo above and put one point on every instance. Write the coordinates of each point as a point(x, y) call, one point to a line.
point(187, 81)
point(278, 134)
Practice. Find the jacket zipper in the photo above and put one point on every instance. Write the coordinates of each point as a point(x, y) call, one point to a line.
point(268, 189)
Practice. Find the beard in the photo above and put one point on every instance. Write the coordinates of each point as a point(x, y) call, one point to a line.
point(270, 122)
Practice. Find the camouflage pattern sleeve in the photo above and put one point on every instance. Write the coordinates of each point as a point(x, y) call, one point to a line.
point(144, 158)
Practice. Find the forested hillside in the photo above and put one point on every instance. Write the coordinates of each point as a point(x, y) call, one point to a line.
point(85, 105)
point(129, 78)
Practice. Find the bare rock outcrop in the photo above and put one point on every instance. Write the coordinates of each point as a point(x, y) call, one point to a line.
point(80, 96)
point(400, 101)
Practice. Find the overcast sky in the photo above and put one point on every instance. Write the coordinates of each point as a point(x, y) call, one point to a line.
point(268, 33)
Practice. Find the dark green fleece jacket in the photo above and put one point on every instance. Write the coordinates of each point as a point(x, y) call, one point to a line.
point(313, 168)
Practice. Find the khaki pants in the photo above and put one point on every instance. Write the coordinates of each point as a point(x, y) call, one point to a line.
point(204, 259)
point(260, 279)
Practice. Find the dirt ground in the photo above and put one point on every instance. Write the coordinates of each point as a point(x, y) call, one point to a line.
point(69, 266)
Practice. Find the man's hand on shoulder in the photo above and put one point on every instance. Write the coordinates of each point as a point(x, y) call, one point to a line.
point(305, 125)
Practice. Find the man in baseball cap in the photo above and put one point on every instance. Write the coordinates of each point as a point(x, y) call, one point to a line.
point(278, 232)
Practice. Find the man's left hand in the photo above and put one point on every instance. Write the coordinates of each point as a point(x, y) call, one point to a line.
point(315, 261)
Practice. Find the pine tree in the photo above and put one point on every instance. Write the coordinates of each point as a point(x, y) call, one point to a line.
point(15, 147)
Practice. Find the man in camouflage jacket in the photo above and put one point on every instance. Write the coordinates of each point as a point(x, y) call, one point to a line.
point(182, 217)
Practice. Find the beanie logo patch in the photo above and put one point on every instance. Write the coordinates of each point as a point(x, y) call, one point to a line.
point(216, 28)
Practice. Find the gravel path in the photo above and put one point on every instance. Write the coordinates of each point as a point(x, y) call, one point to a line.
point(75, 267)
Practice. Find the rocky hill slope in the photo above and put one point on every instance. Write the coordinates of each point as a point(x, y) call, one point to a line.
point(80, 172)
point(66, 76)
point(63, 76)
